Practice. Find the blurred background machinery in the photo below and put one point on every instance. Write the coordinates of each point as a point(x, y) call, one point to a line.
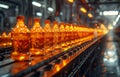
point(103, 12)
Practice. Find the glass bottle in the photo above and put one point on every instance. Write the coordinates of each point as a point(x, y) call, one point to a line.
point(9, 39)
point(79, 35)
point(71, 35)
point(37, 40)
point(56, 34)
point(75, 35)
point(20, 41)
point(48, 39)
point(67, 36)
point(4, 39)
point(62, 36)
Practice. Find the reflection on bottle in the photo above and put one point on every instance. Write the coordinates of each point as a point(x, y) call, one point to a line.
point(64, 62)
point(57, 67)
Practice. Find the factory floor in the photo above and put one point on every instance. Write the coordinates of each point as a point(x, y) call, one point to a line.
point(107, 64)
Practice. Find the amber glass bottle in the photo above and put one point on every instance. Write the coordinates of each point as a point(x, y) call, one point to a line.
point(62, 36)
point(66, 36)
point(48, 39)
point(71, 35)
point(56, 36)
point(20, 41)
point(37, 41)
point(9, 43)
point(3, 39)
point(74, 34)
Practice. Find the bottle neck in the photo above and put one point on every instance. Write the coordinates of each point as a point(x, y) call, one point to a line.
point(36, 24)
point(20, 23)
point(47, 25)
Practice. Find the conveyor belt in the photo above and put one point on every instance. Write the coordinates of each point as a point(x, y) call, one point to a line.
point(79, 62)
point(5, 52)
point(25, 69)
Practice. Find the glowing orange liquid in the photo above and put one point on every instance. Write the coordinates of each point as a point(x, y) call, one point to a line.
point(37, 46)
point(56, 38)
point(37, 42)
point(62, 37)
point(20, 46)
point(21, 41)
point(48, 39)
point(37, 39)
point(5, 40)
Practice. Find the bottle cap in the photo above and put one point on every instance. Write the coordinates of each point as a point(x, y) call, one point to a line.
point(55, 22)
point(62, 23)
point(66, 24)
point(36, 19)
point(47, 21)
point(20, 18)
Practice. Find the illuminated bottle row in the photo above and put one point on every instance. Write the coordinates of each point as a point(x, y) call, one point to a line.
point(47, 41)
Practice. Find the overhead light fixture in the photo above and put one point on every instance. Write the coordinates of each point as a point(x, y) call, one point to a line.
point(71, 1)
point(101, 13)
point(4, 6)
point(110, 27)
point(83, 10)
point(90, 15)
point(110, 12)
point(39, 14)
point(50, 9)
point(36, 4)
point(61, 13)
point(116, 20)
